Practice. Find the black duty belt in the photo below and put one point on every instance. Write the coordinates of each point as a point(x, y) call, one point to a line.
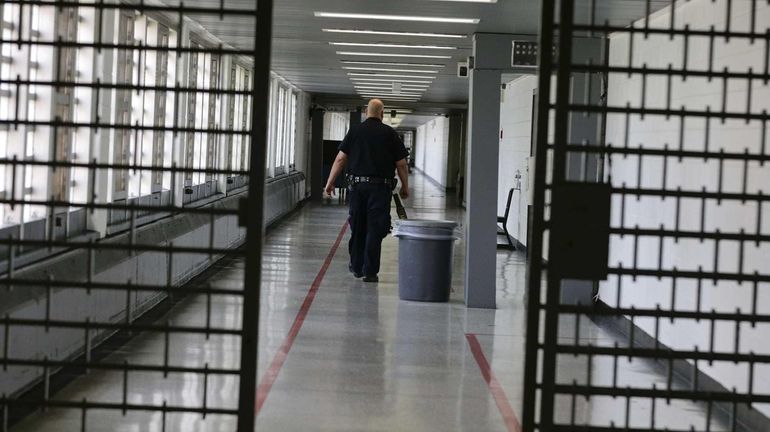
point(354, 179)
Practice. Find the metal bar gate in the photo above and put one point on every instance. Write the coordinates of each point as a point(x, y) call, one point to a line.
point(132, 154)
point(651, 216)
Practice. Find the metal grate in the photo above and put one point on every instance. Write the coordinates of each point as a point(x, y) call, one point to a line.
point(130, 133)
point(651, 197)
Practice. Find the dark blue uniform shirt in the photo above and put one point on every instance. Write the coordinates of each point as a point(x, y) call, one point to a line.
point(373, 148)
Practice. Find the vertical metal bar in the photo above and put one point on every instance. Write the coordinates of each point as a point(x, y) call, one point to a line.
point(254, 209)
point(561, 127)
point(535, 243)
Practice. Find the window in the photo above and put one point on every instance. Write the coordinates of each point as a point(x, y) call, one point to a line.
point(141, 110)
point(293, 125)
point(204, 108)
point(64, 100)
point(245, 121)
point(125, 75)
point(84, 100)
point(6, 100)
point(283, 127)
point(192, 102)
point(238, 107)
point(212, 148)
point(159, 137)
point(37, 138)
point(52, 98)
point(280, 137)
point(231, 103)
point(143, 106)
point(271, 122)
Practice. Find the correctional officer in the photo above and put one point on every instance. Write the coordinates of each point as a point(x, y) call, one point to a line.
point(372, 152)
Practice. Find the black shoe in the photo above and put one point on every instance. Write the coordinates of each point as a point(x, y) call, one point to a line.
point(371, 278)
point(355, 274)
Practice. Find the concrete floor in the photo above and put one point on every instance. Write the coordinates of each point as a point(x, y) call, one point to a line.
point(362, 359)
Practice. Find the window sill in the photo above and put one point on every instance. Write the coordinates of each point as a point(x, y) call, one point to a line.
point(283, 176)
point(42, 253)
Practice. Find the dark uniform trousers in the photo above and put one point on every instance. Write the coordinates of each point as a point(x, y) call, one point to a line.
point(369, 224)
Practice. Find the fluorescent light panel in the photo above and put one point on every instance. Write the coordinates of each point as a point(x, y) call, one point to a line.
point(384, 96)
point(396, 33)
point(403, 91)
point(379, 75)
point(371, 54)
point(381, 80)
point(388, 86)
point(374, 63)
point(385, 17)
point(374, 69)
point(376, 95)
point(388, 93)
point(389, 45)
point(415, 91)
point(398, 99)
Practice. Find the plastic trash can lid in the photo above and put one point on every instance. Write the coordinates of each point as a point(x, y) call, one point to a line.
point(425, 223)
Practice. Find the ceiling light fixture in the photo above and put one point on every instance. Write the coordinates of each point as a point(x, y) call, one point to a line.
point(389, 86)
point(380, 80)
point(389, 70)
point(382, 75)
point(374, 63)
point(396, 33)
point(402, 91)
point(388, 90)
point(394, 99)
point(389, 45)
point(389, 95)
point(372, 54)
point(397, 17)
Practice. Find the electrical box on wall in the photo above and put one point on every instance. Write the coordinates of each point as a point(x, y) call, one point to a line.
point(463, 71)
point(524, 54)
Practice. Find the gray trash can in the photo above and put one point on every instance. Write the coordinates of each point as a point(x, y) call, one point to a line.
point(425, 249)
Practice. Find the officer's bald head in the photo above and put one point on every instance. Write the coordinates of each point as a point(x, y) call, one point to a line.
point(375, 109)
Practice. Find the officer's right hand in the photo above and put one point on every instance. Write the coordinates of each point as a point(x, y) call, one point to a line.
point(404, 192)
point(329, 189)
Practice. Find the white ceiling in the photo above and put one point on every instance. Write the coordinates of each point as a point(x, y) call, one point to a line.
point(302, 53)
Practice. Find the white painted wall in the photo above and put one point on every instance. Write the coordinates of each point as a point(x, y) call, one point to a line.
point(433, 149)
point(336, 125)
point(516, 128)
point(693, 174)
point(420, 151)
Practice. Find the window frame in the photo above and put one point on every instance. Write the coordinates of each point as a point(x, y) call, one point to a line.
point(162, 63)
point(246, 119)
point(63, 105)
point(281, 129)
point(124, 74)
point(292, 157)
point(211, 150)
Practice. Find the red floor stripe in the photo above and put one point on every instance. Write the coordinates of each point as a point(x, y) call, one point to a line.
point(268, 379)
point(511, 422)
